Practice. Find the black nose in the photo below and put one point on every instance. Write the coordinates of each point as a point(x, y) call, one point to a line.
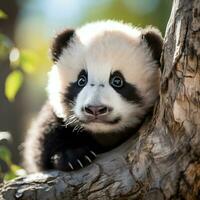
point(97, 110)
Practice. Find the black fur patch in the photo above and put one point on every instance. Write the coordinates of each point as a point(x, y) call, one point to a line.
point(128, 91)
point(61, 40)
point(154, 40)
point(73, 89)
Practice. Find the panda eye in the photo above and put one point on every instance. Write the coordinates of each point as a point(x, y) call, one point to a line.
point(82, 81)
point(117, 82)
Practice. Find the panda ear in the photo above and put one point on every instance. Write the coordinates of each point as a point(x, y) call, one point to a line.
point(154, 40)
point(61, 41)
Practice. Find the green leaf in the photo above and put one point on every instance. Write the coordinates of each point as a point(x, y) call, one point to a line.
point(28, 61)
point(9, 176)
point(14, 172)
point(13, 84)
point(3, 15)
point(15, 168)
point(5, 155)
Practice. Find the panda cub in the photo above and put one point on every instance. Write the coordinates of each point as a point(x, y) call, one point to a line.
point(104, 82)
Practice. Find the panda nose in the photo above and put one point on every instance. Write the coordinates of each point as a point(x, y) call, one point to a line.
point(96, 110)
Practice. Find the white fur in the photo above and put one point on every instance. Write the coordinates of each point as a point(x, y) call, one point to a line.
point(101, 48)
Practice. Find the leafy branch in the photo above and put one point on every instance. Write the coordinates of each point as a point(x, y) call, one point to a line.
point(22, 61)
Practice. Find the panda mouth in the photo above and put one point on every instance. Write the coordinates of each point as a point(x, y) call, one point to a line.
point(103, 121)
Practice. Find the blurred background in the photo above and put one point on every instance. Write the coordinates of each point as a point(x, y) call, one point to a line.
point(26, 30)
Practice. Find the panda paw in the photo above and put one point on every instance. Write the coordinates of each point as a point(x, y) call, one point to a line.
point(73, 159)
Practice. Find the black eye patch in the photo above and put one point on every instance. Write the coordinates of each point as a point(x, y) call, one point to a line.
point(127, 91)
point(73, 89)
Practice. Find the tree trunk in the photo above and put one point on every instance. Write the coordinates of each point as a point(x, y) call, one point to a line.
point(164, 162)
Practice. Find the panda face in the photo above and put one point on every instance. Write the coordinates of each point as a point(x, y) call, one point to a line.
point(106, 78)
point(102, 103)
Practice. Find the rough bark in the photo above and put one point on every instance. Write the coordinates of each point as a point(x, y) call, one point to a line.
point(164, 161)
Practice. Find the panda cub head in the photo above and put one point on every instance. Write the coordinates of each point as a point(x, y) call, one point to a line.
point(105, 76)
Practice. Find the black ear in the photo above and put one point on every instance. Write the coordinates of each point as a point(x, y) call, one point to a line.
point(60, 41)
point(154, 40)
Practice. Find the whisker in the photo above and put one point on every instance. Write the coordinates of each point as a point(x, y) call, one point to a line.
point(71, 117)
point(72, 121)
point(67, 118)
point(75, 128)
point(80, 129)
